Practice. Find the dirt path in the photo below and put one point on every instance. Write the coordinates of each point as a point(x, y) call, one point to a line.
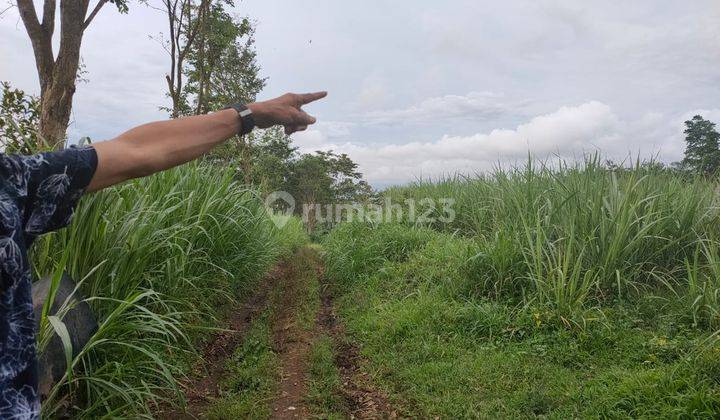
point(291, 341)
point(203, 386)
point(299, 315)
point(364, 400)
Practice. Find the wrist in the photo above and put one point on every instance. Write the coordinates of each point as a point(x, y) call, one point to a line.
point(260, 114)
point(245, 116)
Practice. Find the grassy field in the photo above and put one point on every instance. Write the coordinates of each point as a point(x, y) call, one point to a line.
point(158, 258)
point(573, 292)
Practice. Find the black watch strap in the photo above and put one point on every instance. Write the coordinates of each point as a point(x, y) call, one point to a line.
point(246, 118)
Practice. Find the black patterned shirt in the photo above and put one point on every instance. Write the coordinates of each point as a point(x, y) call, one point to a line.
point(37, 195)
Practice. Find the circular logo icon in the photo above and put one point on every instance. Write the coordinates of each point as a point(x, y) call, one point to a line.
point(280, 205)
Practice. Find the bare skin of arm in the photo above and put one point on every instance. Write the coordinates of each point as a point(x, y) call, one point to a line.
point(161, 145)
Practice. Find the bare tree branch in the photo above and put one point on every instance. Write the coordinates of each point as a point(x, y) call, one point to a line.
point(184, 24)
point(151, 6)
point(193, 30)
point(10, 6)
point(161, 41)
point(95, 11)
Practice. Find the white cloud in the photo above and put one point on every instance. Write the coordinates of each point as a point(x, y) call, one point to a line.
point(309, 140)
point(567, 133)
point(321, 134)
point(709, 114)
point(474, 105)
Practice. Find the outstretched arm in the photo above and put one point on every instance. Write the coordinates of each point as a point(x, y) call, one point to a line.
point(161, 145)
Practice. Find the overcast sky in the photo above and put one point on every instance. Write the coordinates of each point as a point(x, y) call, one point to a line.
point(425, 88)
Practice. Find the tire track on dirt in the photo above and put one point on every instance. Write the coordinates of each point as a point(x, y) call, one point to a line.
point(286, 293)
point(293, 343)
point(203, 386)
point(364, 400)
point(290, 340)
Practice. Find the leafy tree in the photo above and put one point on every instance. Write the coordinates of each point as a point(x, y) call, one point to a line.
point(348, 185)
point(312, 179)
point(325, 178)
point(19, 120)
point(58, 73)
point(273, 159)
point(212, 56)
point(222, 65)
point(266, 159)
point(212, 64)
point(222, 69)
point(702, 154)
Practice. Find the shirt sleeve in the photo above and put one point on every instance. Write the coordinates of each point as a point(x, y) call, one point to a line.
point(55, 181)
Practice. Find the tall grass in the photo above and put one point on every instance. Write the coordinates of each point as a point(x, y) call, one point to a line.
point(162, 254)
point(699, 291)
point(570, 292)
point(580, 235)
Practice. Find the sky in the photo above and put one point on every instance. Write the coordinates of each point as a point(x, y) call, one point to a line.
point(424, 89)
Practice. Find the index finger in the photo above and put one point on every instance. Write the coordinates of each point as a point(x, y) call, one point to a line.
point(306, 98)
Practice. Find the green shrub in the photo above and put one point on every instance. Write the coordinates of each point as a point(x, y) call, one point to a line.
point(699, 294)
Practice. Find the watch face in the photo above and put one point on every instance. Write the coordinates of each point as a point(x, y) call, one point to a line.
point(248, 122)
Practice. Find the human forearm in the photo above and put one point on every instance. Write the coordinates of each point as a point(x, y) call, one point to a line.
point(161, 145)
point(158, 146)
point(166, 144)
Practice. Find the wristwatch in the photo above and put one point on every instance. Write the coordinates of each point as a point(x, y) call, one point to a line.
point(246, 118)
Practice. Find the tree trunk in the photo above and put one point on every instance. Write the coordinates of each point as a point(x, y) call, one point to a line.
point(56, 102)
point(56, 75)
point(54, 117)
point(203, 15)
point(312, 214)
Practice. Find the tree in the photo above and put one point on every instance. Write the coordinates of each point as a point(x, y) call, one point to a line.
point(57, 74)
point(348, 185)
point(702, 153)
point(222, 69)
point(19, 120)
point(313, 179)
point(324, 178)
point(185, 18)
point(272, 160)
point(212, 57)
point(212, 64)
point(221, 64)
